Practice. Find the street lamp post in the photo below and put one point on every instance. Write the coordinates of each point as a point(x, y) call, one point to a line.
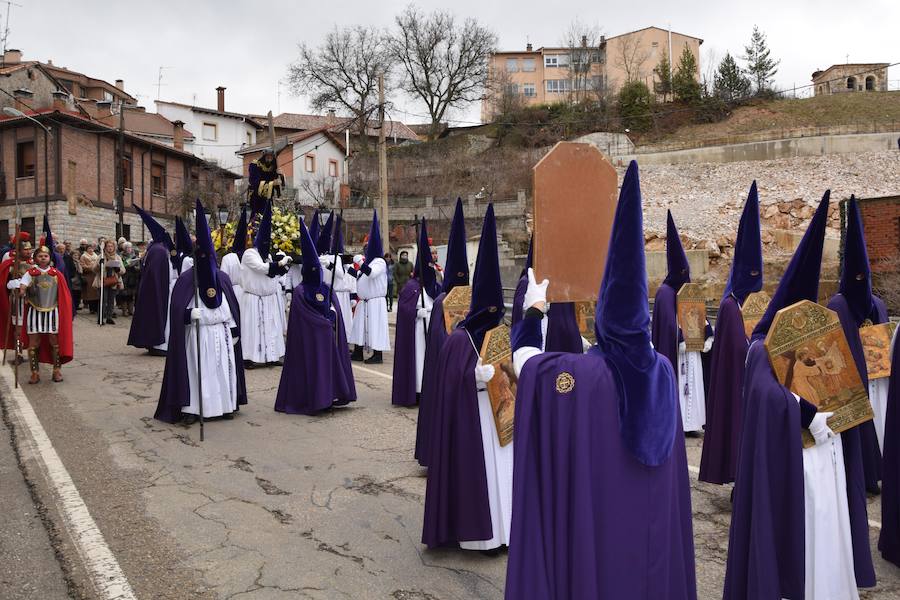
point(223, 218)
point(14, 112)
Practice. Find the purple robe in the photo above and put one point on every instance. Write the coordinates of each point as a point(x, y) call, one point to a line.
point(868, 439)
point(403, 392)
point(457, 508)
point(889, 541)
point(562, 326)
point(148, 327)
point(437, 335)
point(588, 519)
point(766, 548)
point(664, 332)
point(317, 373)
point(723, 405)
point(176, 390)
point(518, 299)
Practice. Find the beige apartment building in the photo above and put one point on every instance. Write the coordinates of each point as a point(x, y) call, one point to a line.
point(555, 74)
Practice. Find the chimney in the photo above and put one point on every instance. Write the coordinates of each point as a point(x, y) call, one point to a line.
point(60, 100)
point(584, 41)
point(120, 84)
point(23, 99)
point(330, 120)
point(104, 108)
point(178, 134)
point(49, 62)
point(528, 47)
point(12, 57)
point(220, 97)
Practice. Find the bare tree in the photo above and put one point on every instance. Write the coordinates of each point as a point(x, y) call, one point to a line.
point(631, 56)
point(342, 73)
point(502, 94)
point(320, 190)
point(710, 64)
point(445, 64)
point(583, 42)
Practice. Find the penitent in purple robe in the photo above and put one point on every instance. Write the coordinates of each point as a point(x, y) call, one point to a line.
point(317, 373)
point(148, 327)
point(437, 335)
point(175, 391)
point(889, 541)
point(403, 391)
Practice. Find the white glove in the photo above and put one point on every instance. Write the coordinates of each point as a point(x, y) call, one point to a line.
point(353, 303)
point(707, 345)
point(585, 345)
point(536, 292)
point(483, 373)
point(195, 314)
point(285, 261)
point(13, 284)
point(819, 427)
point(422, 313)
point(235, 340)
point(682, 346)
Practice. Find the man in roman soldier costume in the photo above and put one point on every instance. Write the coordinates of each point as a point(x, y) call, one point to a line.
point(265, 183)
point(47, 299)
point(11, 270)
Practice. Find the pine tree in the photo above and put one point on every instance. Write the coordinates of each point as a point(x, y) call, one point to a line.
point(635, 105)
point(760, 66)
point(684, 82)
point(664, 73)
point(729, 82)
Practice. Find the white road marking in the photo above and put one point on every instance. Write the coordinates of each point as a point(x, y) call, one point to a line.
point(105, 573)
point(373, 372)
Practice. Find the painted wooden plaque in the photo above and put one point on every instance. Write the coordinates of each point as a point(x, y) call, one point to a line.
point(753, 310)
point(692, 316)
point(575, 194)
point(584, 314)
point(810, 356)
point(456, 306)
point(496, 351)
point(876, 343)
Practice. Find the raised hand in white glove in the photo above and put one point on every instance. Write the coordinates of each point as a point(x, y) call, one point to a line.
point(483, 373)
point(285, 261)
point(819, 428)
point(707, 345)
point(536, 293)
point(13, 284)
point(421, 313)
point(195, 314)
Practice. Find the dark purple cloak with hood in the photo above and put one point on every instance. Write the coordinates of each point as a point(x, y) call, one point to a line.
point(457, 508)
point(317, 373)
point(721, 439)
point(148, 327)
point(601, 496)
point(403, 391)
point(889, 541)
point(766, 549)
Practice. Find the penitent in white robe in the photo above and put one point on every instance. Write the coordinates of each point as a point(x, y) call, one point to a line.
point(829, 573)
point(219, 368)
point(421, 327)
point(691, 395)
point(342, 287)
point(173, 277)
point(231, 266)
point(370, 325)
point(498, 465)
point(262, 315)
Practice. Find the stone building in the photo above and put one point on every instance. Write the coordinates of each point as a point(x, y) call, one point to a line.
point(851, 77)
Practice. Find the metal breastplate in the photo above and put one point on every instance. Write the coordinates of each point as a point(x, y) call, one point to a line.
point(43, 292)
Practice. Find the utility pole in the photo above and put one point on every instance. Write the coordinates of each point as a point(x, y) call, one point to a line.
point(120, 171)
point(382, 167)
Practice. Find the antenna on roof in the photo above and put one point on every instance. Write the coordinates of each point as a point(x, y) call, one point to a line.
point(9, 6)
point(159, 83)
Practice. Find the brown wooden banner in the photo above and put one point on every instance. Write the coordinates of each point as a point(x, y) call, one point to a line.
point(876, 343)
point(753, 310)
point(692, 316)
point(585, 314)
point(811, 357)
point(456, 306)
point(496, 351)
point(575, 195)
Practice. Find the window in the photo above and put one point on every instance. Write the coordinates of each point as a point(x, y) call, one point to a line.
point(4, 229)
point(551, 61)
point(655, 44)
point(512, 65)
point(309, 163)
point(870, 83)
point(124, 231)
point(512, 89)
point(158, 179)
point(249, 139)
point(528, 90)
point(25, 159)
point(558, 86)
point(528, 65)
point(563, 60)
point(28, 225)
point(210, 131)
point(332, 168)
point(69, 85)
point(127, 172)
point(851, 83)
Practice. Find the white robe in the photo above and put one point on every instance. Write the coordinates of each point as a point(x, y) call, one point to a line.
point(173, 277)
point(691, 395)
point(262, 315)
point(829, 573)
point(219, 368)
point(342, 287)
point(370, 325)
point(231, 266)
point(421, 327)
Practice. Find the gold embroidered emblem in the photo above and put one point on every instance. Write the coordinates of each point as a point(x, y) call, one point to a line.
point(173, 252)
point(211, 292)
point(492, 309)
point(565, 383)
point(320, 297)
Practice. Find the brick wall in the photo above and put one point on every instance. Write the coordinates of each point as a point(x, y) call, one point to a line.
point(881, 220)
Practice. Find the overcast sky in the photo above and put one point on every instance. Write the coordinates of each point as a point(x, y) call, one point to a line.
point(247, 46)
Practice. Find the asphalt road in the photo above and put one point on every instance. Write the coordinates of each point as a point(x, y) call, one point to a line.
point(270, 506)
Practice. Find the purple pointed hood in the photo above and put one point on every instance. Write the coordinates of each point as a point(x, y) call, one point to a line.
point(314, 227)
point(339, 235)
point(856, 274)
point(263, 240)
point(205, 262)
point(315, 292)
point(326, 236)
point(157, 232)
point(456, 269)
point(648, 396)
point(801, 278)
point(374, 248)
point(746, 274)
point(486, 309)
point(679, 271)
point(239, 244)
point(425, 272)
point(183, 243)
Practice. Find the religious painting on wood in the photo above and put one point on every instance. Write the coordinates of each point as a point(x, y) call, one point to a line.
point(456, 306)
point(876, 343)
point(810, 356)
point(584, 314)
point(753, 310)
point(692, 316)
point(496, 351)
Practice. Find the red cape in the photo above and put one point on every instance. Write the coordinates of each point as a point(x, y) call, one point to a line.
point(9, 330)
point(64, 332)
